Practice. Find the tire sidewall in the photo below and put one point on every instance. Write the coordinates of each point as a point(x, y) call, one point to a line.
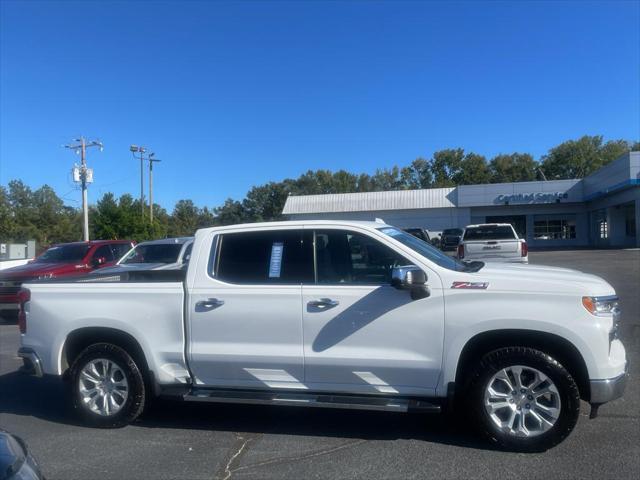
point(136, 395)
point(567, 388)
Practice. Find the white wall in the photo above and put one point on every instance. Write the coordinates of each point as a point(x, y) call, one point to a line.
point(434, 219)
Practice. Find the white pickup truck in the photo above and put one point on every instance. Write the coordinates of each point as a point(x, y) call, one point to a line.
point(492, 242)
point(334, 314)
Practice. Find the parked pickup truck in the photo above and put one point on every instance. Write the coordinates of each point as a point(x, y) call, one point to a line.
point(492, 242)
point(334, 314)
point(65, 259)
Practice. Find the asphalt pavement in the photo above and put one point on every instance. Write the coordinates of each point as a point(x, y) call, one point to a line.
point(176, 440)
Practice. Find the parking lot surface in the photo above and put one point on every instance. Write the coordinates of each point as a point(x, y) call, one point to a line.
point(198, 441)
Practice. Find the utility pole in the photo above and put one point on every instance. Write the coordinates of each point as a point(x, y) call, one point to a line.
point(141, 150)
point(151, 160)
point(84, 175)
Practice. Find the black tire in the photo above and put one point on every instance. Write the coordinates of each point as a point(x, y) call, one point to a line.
point(135, 401)
point(495, 361)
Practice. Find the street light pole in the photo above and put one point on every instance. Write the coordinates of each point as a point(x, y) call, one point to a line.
point(151, 161)
point(141, 150)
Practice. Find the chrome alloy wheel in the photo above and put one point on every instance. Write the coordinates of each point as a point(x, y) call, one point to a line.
point(522, 401)
point(103, 387)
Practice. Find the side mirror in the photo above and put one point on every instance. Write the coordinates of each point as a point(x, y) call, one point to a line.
point(410, 278)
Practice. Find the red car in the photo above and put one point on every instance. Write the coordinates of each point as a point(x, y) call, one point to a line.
point(58, 261)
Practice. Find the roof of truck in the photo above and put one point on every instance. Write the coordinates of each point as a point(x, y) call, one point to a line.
point(293, 223)
point(168, 241)
point(489, 225)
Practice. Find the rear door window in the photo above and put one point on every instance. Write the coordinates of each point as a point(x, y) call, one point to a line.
point(265, 257)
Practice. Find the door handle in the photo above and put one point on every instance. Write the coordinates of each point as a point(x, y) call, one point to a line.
point(323, 303)
point(209, 303)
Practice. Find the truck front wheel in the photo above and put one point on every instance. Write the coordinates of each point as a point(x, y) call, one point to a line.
point(523, 399)
point(107, 386)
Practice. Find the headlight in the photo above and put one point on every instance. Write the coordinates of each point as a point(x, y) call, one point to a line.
point(601, 306)
point(44, 276)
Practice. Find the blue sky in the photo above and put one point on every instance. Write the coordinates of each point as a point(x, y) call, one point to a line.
point(231, 95)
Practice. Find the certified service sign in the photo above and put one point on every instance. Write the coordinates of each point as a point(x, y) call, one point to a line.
point(539, 197)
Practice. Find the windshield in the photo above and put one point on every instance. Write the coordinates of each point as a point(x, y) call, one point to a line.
point(490, 232)
point(158, 253)
point(64, 254)
point(452, 231)
point(430, 252)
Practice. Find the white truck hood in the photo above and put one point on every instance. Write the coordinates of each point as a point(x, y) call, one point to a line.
point(541, 278)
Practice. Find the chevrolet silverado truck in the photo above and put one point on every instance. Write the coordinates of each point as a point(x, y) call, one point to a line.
point(354, 315)
point(492, 242)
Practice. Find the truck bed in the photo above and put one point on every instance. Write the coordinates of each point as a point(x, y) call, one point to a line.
point(148, 305)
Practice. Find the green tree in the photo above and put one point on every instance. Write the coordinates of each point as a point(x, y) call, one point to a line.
point(445, 165)
point(230, 213)
point(417, 175)
point(473, 170)
point(184, 219)
point(387, 179)
point(24, 213)
point(55, 222)
point(265, 202)
point(516, 167)
point(579, 158)
point(7, 222)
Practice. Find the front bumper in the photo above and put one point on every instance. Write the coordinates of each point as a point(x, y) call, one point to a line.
point(603, 391)
point(32, 364)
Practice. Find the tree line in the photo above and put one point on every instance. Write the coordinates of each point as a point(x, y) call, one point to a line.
point(42, 215)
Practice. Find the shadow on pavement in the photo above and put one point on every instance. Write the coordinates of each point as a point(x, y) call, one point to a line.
point(46, 399)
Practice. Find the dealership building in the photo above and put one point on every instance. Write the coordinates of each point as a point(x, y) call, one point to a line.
point(601, 210)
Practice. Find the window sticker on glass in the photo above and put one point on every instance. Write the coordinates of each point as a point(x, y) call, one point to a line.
point(275, 266)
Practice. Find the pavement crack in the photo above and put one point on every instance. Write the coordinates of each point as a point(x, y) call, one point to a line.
point(317, 453)
point(237, 449)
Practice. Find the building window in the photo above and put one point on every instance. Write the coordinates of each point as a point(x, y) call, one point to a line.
point(554, 228)
point(630, 221)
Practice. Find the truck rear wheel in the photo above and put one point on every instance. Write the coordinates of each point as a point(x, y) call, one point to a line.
point(107, 386)
point(523, 399)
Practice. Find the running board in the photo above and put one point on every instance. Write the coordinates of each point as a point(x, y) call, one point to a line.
point(297, 399)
